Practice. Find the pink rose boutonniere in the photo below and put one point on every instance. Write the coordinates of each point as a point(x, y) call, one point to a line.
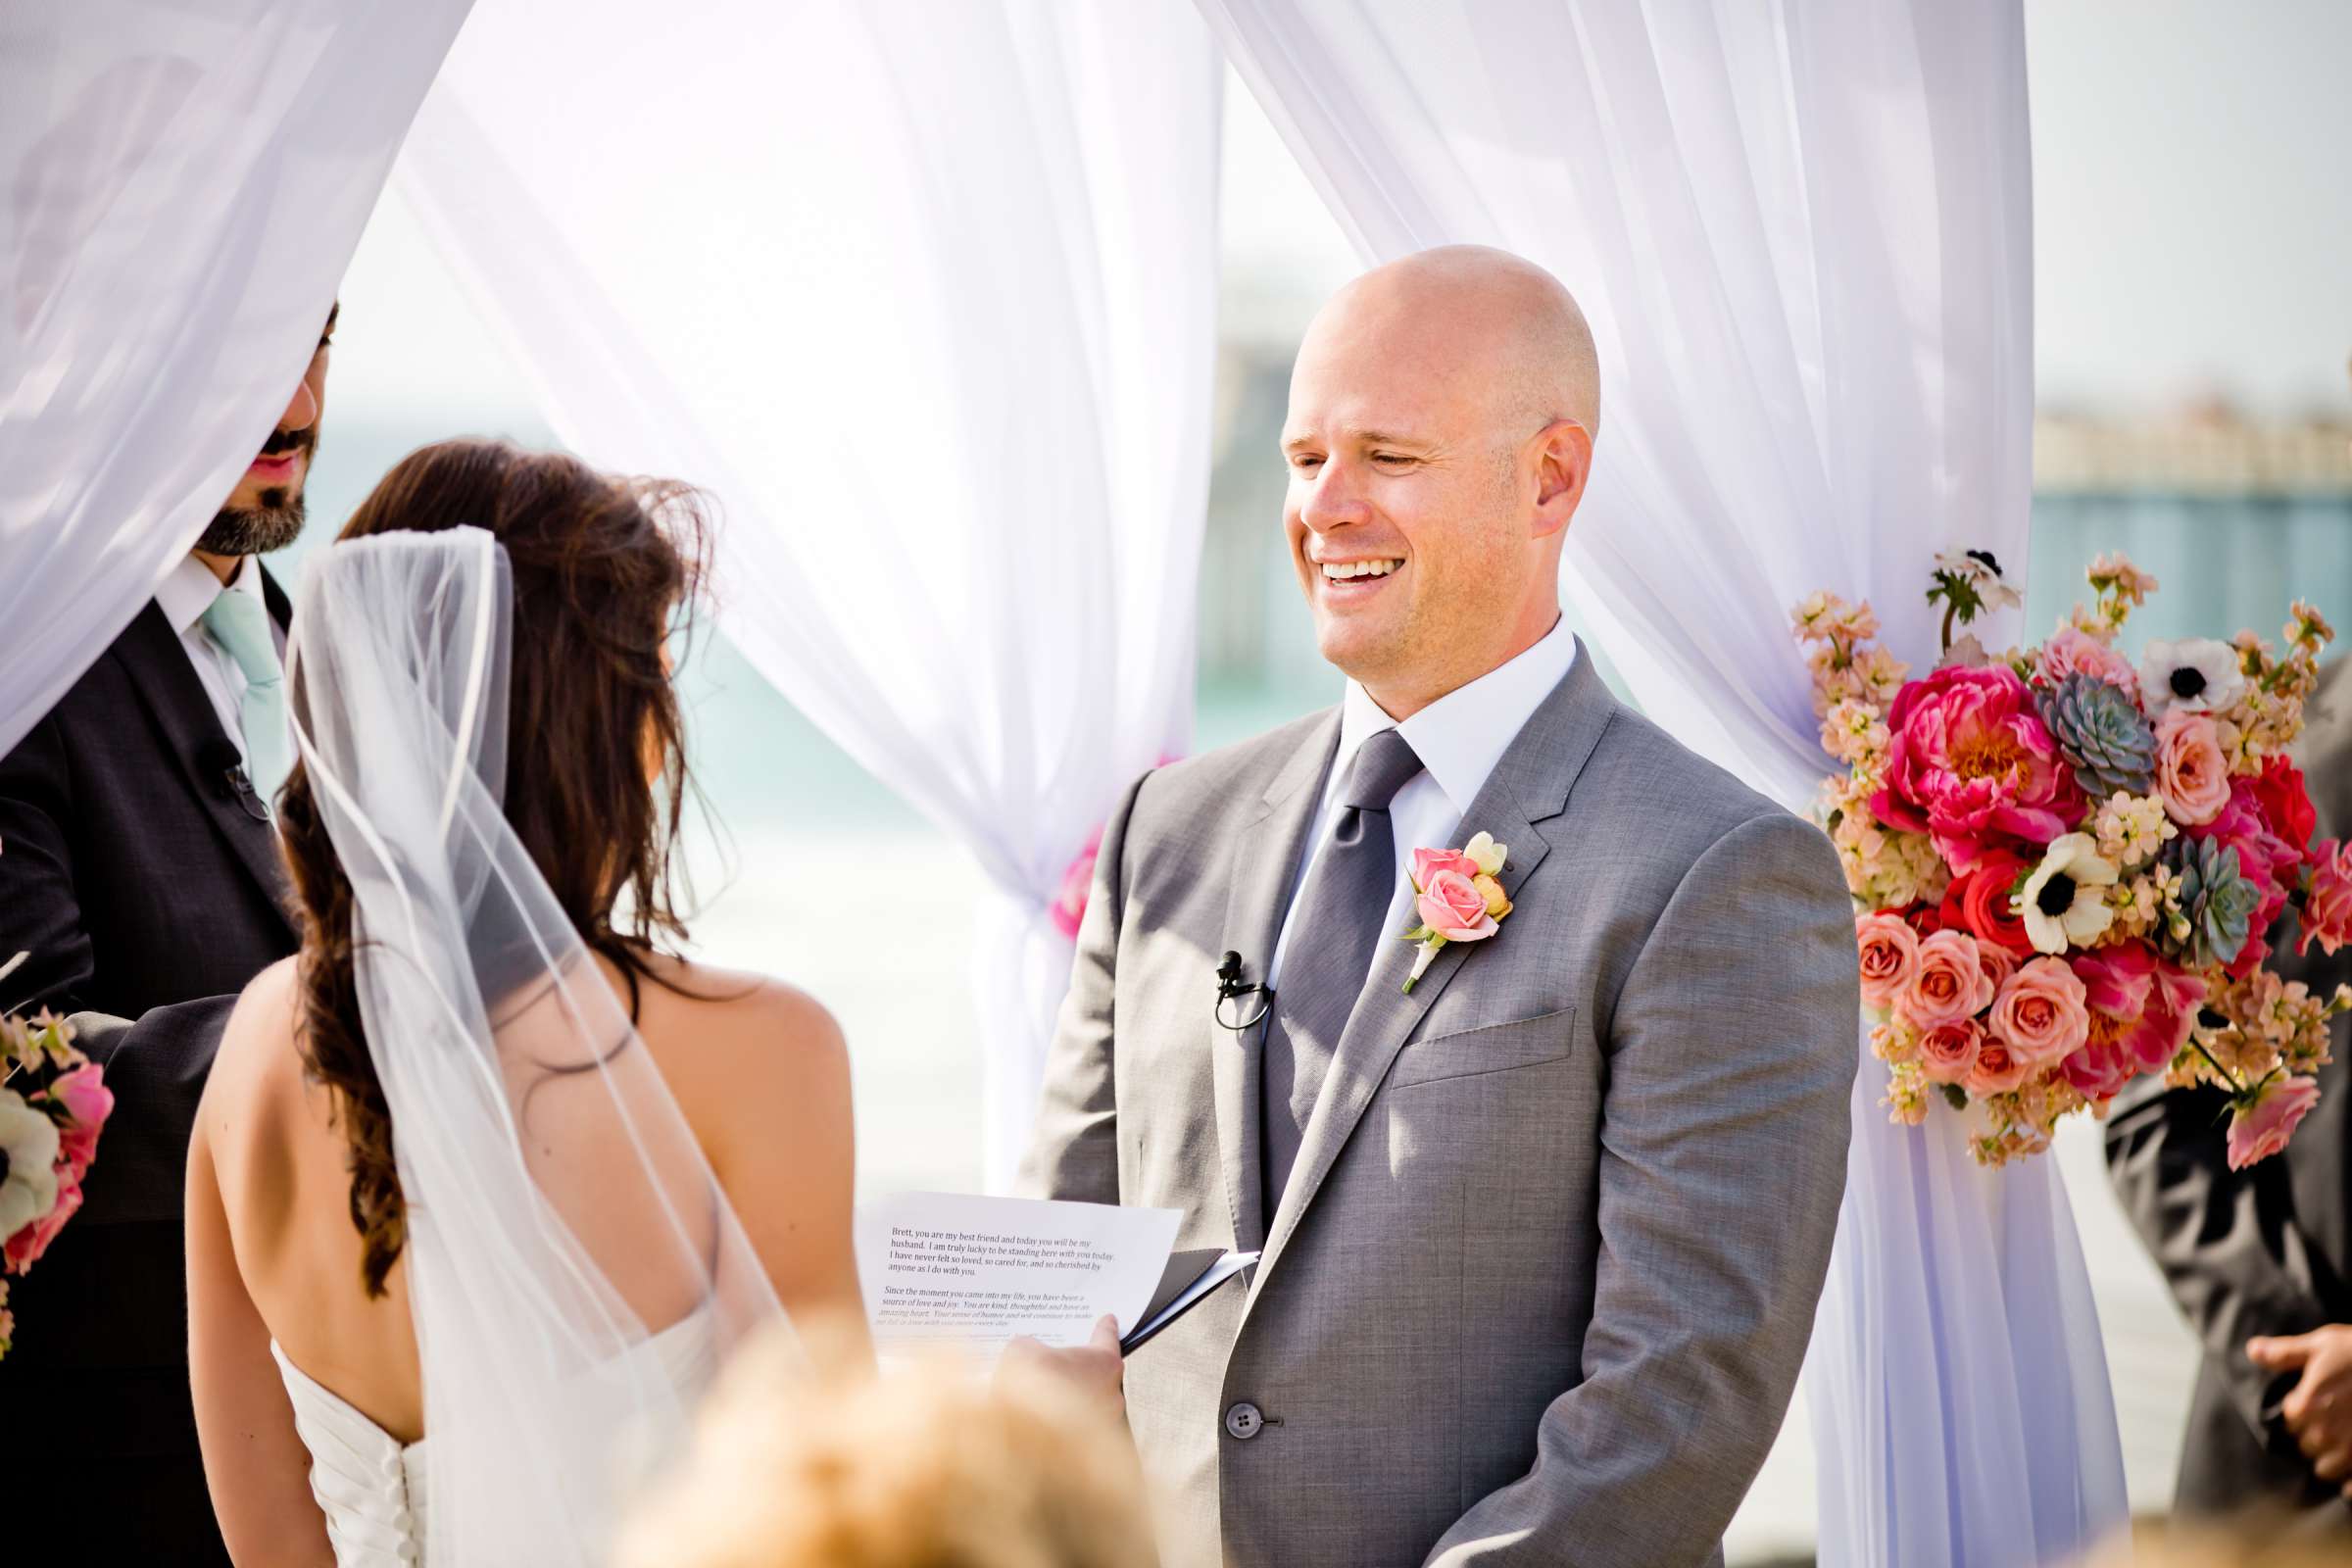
point(1456, 896)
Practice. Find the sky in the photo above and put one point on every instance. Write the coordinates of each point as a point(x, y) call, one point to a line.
point(2193, 231)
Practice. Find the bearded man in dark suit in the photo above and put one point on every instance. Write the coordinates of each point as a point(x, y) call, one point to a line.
point(139, 871)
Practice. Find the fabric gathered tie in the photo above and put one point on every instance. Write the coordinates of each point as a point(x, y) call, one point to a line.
point(240, 624)
point(1334, 933)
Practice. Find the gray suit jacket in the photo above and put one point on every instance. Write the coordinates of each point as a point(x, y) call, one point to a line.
point(1541, 1280)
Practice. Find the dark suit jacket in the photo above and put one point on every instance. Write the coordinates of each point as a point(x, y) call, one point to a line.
point(143, 886)
point(2262, 1250)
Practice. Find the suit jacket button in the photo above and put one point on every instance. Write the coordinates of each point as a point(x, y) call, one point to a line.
point(1243, 1421)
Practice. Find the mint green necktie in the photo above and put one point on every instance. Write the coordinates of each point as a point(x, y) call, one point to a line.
point(239, 624)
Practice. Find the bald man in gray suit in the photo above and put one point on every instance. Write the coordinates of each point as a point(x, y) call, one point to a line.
point(1542, 1234)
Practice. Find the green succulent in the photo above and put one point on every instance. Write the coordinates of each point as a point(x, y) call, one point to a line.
point(2099, 730)
point(2216, 900)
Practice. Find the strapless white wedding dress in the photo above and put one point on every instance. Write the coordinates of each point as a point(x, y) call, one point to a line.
point(371, 1485)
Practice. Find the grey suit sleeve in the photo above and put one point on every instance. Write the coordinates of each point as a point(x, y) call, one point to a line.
point(2228, 1240)
point(1075, 1152)
point(1731, 1057)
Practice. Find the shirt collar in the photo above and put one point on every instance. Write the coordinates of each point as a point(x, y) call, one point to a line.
point(190, 588)
point(1463, 734)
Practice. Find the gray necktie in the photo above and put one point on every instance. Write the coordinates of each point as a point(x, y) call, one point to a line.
point(1334, 934)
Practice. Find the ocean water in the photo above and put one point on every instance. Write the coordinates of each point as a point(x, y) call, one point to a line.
point(789, 821)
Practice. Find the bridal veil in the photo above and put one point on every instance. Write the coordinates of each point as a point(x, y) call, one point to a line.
point(574, 1270)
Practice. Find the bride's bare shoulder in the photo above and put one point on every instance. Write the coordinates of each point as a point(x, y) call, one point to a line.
point(257, 1037)
point(730, 1021)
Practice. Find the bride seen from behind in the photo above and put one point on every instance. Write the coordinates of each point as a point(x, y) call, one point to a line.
point(612, 1162)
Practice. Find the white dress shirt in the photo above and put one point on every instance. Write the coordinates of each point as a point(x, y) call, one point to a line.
point(183, 597)
point(1459, 738)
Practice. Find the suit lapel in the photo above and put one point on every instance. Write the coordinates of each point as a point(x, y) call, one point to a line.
point(1260, 872)
point(184, 718)
point(1528, 787)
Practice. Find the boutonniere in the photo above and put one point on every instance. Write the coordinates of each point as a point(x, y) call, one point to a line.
point(1456, 896)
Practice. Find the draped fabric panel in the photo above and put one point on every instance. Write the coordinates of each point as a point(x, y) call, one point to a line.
point(180, 189)
point(1802, 231)
point(929, 310)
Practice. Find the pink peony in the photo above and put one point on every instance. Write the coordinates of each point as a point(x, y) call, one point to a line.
point(1947, 1053)
point(1969, 760)
point(1427, 864)
point(2142, 1011)
point(1889, 954)
point(2261, 1126)
point(2265, 859)
point(2328, 911)
point(2040, 1015)
point(2192, 774)
point(1950, 984)
point(1451, 905)
point(1996, 1071)
point(2071, 651)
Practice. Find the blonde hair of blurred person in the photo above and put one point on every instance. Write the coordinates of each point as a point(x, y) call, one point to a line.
point(2259, 1537)
point(926, 1466)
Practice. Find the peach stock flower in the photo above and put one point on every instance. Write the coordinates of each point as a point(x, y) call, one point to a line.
point(2192, 773)
point(1950, 984)
point(2041, 1014)
point(1889, 954)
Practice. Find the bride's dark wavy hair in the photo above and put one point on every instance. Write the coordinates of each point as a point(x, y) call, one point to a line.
point(602, 570)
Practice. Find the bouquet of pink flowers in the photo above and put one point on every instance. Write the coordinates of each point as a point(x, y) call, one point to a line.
point(2067, 863)
point(53, 1101)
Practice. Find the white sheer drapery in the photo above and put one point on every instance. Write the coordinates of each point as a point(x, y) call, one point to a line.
point(1802, 234)
point(181, 188)
point(927, 302)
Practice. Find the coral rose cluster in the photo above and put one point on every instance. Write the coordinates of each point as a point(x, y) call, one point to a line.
point(2071, 865)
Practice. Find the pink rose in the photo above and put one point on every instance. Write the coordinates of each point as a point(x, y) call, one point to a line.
point(2327, 911)
point(2192, 774)
point(1889, 953)
point(1427, 864)
point(2071, 651)
point(1998, 963)
point(25, 1248)
point(1970, 760)
point(2040, 1015)
point(1068, 908)
point(85, 1094)
point(2261, 1127)
point(2142, 1011)
point(1950, 984)
point(1947, 1053)
point(1451, 905)
point(1996, 1070)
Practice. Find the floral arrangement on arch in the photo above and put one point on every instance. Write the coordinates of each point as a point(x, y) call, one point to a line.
point(2066, 862)
point(52, 1102)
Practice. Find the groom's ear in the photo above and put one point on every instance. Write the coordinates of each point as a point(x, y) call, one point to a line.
point(1563, 457)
